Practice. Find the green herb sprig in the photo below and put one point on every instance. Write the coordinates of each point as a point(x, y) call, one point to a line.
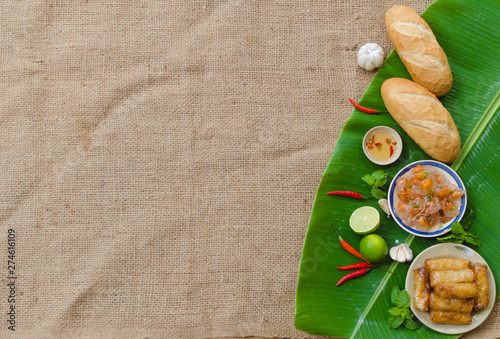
point(376, 180)
point(459, 232)
point(401, 314)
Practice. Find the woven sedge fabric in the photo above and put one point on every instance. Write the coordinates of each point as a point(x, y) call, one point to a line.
point(160, 159)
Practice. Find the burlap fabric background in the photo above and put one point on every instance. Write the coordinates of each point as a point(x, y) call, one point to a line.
point(160, 159)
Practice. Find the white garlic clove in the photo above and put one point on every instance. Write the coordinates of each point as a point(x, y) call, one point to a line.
point(362, 61)
point(401, 257)
point(401, 253)
point(394, 252)
point(370, 56)
point(408, 252)
point(384, 205)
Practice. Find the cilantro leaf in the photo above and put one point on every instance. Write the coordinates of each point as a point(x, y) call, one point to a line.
point(395, 311)
point(410, 324)
point(403, 299)
point(394, 321)
point(458, 240)
point(467, 221)
point(394, 295)
point(478, 242)
point(472, 239)
point(406, 313)
point(368, 179)
point(380, 177)
point(453, 238)
point(448, 238)
point(380, 182)
point(401, 314)
point(377, 193)
point(459, 234)
point(377, 179)
point(380, 174)
point(457, 228)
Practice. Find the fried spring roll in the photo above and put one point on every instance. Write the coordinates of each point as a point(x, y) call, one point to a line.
point(450, 304)
point(482, 299)
point(457, 290)
point(421, 289)
point(445, 277)
point(450, 317)
point(446, 264)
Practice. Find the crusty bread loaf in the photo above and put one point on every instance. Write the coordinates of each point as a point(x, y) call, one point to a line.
point(419, 50)
point(423, 117)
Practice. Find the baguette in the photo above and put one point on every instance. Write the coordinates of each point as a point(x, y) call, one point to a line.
point(418, 49)
point(423, 117)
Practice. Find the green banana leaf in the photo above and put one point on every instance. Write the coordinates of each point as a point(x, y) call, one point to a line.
point(468, 31)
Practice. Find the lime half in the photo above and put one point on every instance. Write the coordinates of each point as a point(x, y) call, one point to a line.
point(364, 220)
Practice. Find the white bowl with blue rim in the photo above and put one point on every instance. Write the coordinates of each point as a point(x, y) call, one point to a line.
point(450, 175)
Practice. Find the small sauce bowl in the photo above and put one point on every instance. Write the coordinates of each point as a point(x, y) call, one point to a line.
point(377, 148)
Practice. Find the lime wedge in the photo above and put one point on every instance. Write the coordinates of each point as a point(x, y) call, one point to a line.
point(364, 220)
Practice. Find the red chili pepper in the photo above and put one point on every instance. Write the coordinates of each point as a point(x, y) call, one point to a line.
point(378, 144)
point(391, 150)
point(348, 247)
point(394, 143)
point(389, 141)
point(354, 266)
point(352, 275)
point(370, 146)
point(347, 193)
point(363, 109)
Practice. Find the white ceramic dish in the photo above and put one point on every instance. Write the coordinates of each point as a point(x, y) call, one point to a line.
point(455, 251)
point(397, 139)
point(449, 174)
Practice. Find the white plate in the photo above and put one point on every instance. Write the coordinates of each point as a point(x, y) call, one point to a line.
point(454, 251)
point(450, 175)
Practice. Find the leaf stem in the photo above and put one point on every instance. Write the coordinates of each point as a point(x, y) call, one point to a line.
point(478, 130)
point(379, 290)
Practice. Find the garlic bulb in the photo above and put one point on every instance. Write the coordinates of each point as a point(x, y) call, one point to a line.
point(384, 205)
point(401, 253)
point(370, 56)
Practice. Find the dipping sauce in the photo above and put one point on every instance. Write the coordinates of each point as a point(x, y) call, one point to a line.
point(381, 145)
point(425, 199)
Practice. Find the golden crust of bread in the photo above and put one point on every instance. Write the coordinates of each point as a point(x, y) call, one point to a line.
point(423, 117)
point(418, 49)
